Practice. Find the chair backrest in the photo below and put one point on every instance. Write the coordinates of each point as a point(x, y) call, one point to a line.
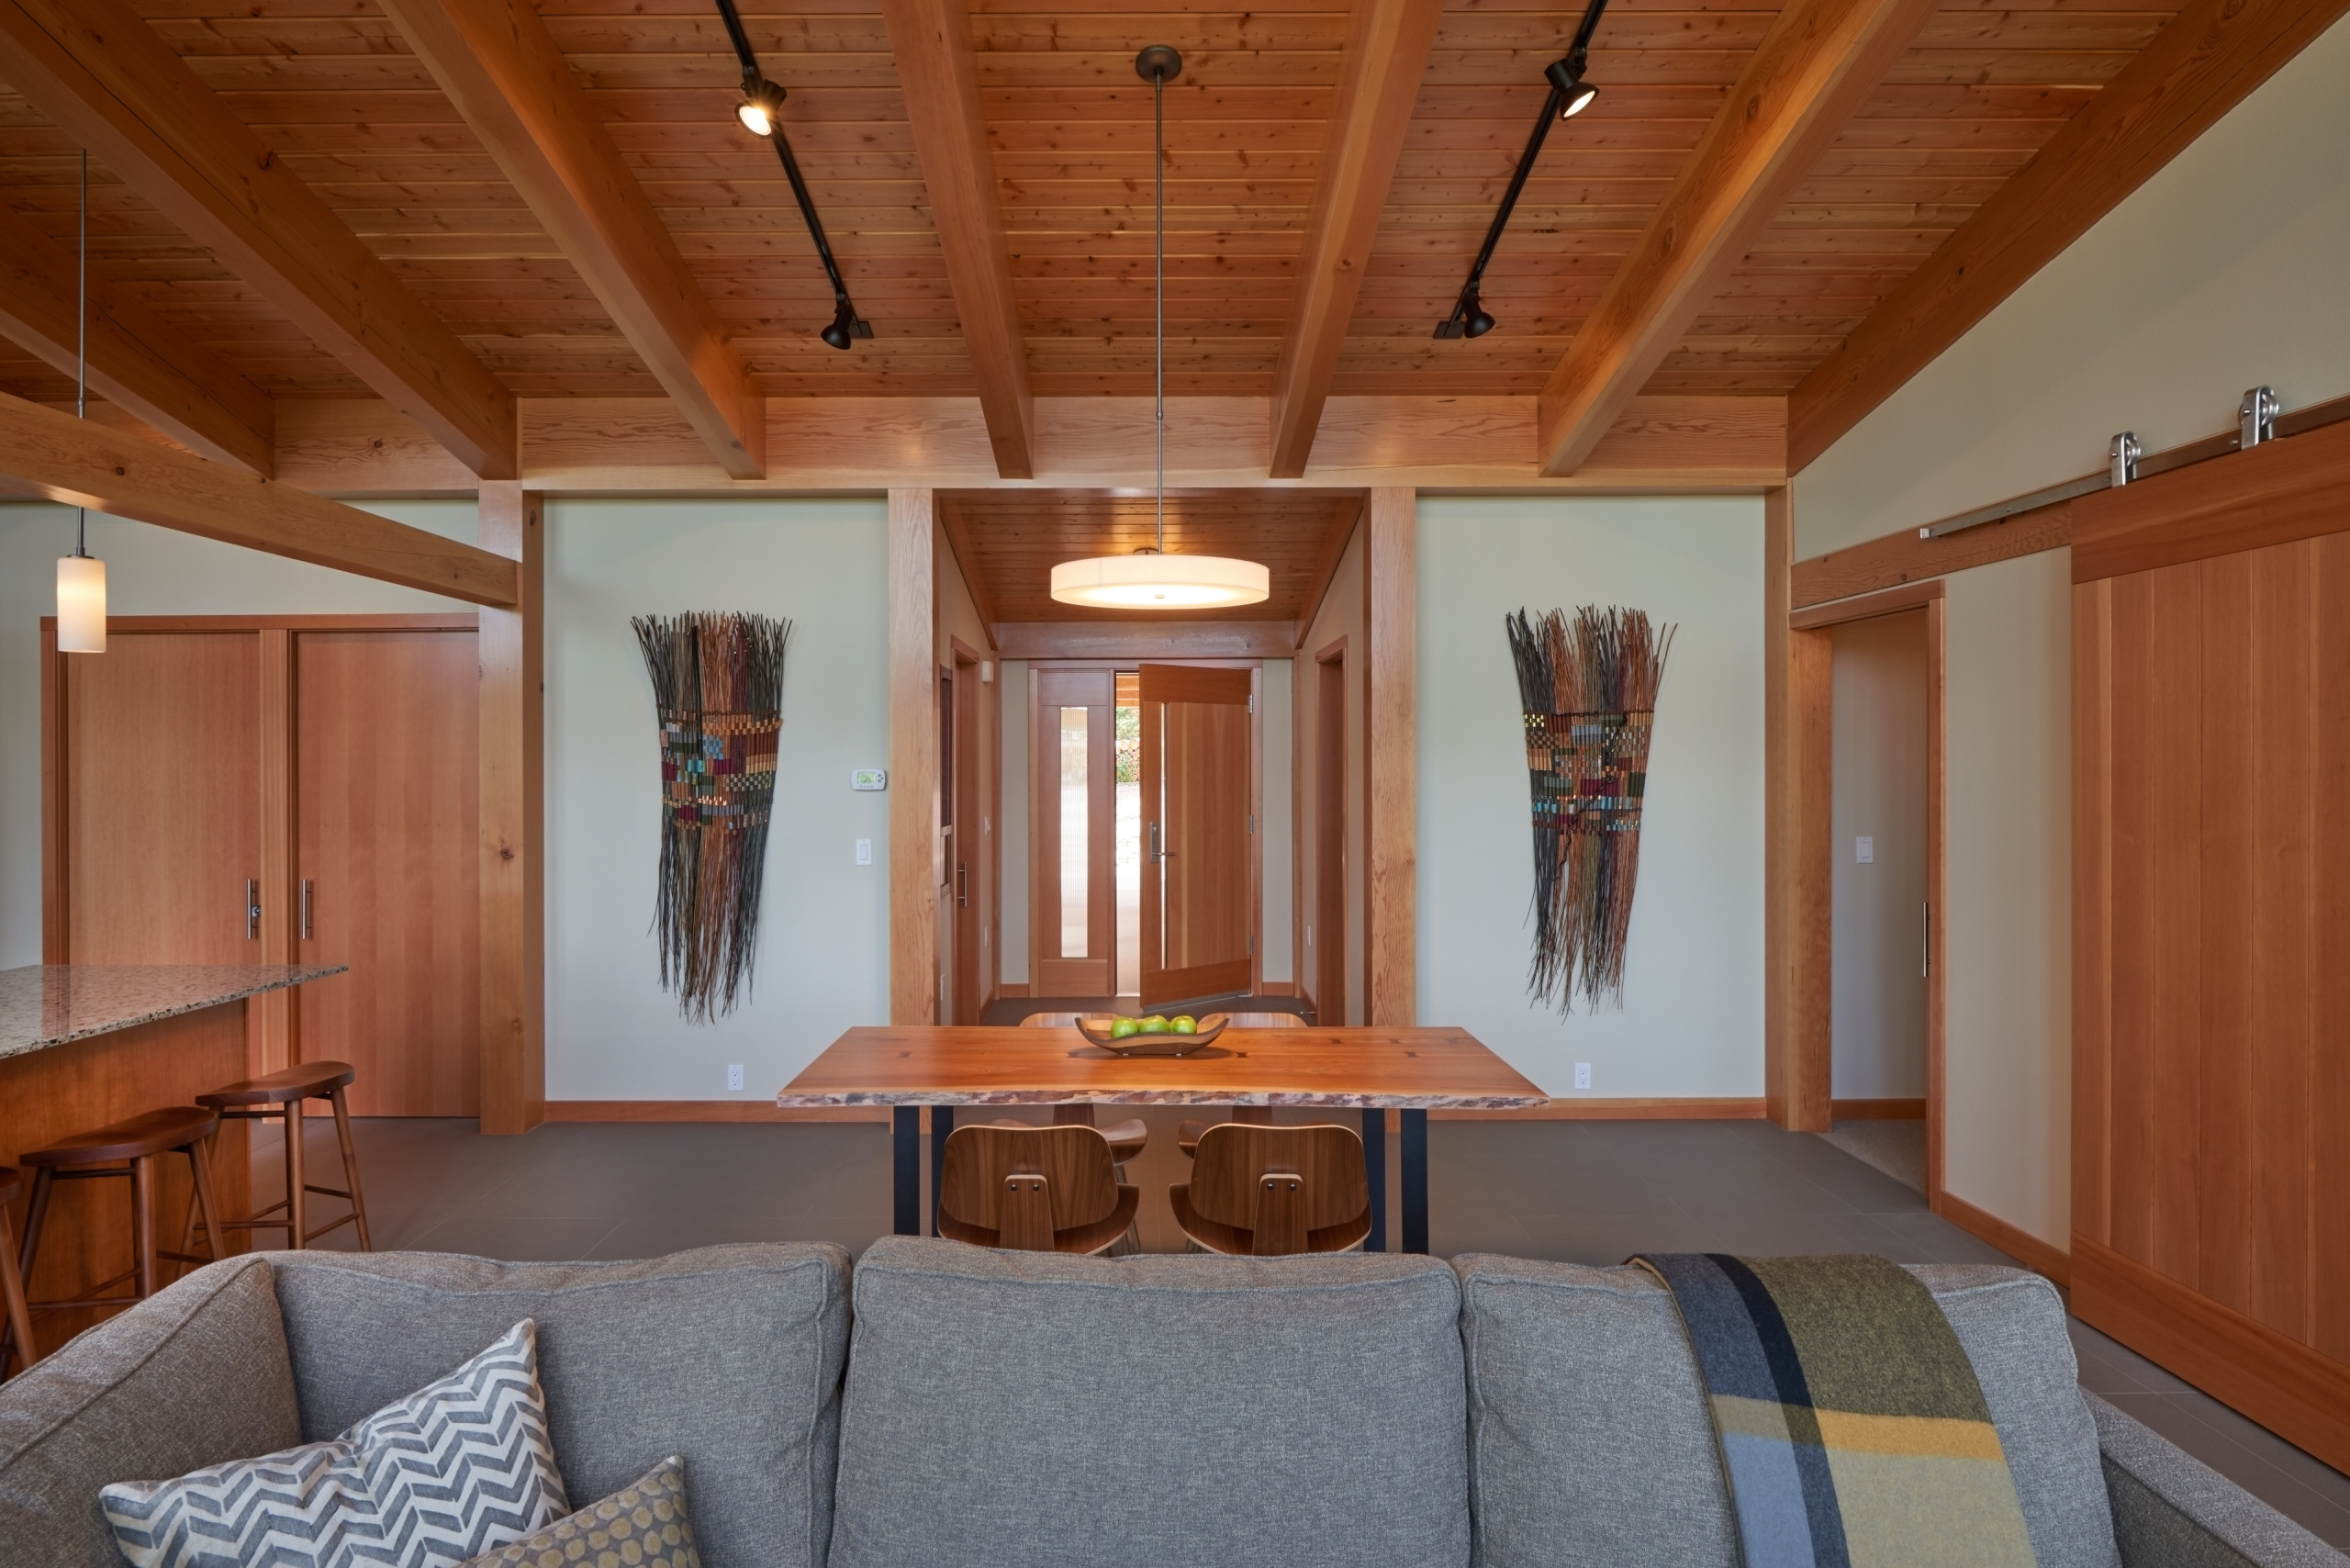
point(1266, 1020)
point(1024, 1184)
point(1280, 1182)
point(1049, 1021)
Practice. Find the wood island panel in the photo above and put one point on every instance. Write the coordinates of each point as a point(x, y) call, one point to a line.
point(53, 1093)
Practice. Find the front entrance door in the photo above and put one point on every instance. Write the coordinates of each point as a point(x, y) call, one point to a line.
point(1198, 938)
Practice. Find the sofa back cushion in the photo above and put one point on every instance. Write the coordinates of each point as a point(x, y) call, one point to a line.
point(1020, 1407)
point(728, 1356)
point(1589, 1438)
point(195, 1375)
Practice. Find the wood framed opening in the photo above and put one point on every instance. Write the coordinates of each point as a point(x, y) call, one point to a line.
point(1325, 959)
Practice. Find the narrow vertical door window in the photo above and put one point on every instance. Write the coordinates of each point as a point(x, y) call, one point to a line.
point(1076, 832)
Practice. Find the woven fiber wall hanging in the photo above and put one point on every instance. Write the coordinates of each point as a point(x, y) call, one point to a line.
point(1588, 686)
point(718, 689)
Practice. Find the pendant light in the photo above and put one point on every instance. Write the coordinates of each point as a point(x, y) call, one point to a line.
point(82, 576)
point(1151, 578)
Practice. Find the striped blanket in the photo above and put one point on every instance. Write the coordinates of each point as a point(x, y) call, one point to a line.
point(1851, 1424)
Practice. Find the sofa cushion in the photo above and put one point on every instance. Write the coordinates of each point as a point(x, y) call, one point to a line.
point(1589, 1438)
point(1021, 1407)
point(729, 1356)
point(192, 1376)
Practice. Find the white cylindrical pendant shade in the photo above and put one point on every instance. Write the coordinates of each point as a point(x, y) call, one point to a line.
point(81, 604)
point(1162, 582)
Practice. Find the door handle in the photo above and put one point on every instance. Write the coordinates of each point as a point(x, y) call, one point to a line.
point(252, 909)
point(1154, 841)
point(963, 886)
point(307, 886)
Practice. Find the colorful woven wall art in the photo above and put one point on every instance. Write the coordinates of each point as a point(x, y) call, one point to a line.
point(1588, 685)
point(718, 689)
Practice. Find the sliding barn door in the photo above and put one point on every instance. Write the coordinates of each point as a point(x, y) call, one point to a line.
point(1198, 873)
point(2211, 953)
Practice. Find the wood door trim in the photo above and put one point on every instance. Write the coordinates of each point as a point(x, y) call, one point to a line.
point(1867, 607)
point(465, 621)
point(56, 881)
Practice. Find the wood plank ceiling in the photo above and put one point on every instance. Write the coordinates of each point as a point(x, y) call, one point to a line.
point(334, 88)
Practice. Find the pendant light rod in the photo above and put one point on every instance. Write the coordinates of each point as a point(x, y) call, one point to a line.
point(1158, 65)
point(767, 96)
point(1568, 94)
point(82, 344)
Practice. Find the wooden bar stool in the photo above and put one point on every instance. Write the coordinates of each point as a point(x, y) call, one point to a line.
point(279, 1095)
point(126, 1149)
point(18, 1331)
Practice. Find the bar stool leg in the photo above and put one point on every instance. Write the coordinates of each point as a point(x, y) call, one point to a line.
point(351, 1166)
point(296, 1190)
point(20, 1317)
point(36, 1215)
point(199, 1164)
point(142, 1221)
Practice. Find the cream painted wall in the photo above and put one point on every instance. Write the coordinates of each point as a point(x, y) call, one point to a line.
point(823, 944)
point(1880, 784)
point(1692, 1020)
point(149, 571)
point(2223, 271)
point(1340, 616)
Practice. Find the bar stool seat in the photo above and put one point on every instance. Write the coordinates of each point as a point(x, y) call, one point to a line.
point(279, 1095)
point(128, 1148)
point(18, 1334)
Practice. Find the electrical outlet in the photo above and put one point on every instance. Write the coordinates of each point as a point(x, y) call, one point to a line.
point(734, 1078)
point(864, 852)
point(1583, 1075)
point(1863, 850)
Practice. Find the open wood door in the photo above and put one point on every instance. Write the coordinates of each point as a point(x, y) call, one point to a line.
point(1197, 934)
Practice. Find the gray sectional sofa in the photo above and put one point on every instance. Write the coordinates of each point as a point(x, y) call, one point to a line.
point(942, 1405)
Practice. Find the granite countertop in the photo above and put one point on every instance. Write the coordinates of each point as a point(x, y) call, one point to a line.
point(54, 1004)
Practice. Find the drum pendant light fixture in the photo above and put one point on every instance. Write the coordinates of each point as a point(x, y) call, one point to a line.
point(1151, 578)
point(82, 576)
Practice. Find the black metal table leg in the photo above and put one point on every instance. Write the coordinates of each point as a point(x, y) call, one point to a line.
point(942, 1127)
point(905, 1168)
point(1416, 1179)
point(1375, 1161)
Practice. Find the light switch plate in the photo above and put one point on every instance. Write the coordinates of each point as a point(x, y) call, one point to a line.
point(1863, 850)
point(864, 852)
point(869, 779)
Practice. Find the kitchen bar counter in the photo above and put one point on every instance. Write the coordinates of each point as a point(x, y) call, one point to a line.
point(43, 1005)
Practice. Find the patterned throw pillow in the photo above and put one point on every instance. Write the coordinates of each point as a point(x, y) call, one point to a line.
point(641, 1526)
point(455, 1468)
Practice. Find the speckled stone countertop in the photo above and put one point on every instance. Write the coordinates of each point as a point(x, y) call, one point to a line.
point(54, 1004)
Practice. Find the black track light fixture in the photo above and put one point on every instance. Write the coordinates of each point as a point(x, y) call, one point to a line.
point(1570, 95)
point(760, 113)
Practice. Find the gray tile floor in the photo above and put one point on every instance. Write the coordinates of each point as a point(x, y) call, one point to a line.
point(1578, 1192)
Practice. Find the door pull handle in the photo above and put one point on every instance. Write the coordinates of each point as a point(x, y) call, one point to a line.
point(963, 887)
point(307, 889)
point(252, 909)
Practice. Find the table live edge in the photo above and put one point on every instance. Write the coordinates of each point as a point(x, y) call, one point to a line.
point(906, 1106)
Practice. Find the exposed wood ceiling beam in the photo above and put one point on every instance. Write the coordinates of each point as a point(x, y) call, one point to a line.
point(98, 70)
point(136, 360)
point(508, 79)
point(1819, 59)
point(1344, 515)
point(78, 464)
point(2204, 61)
point(931, 43)
point(1143, 638)
point(967, 561)
point(1387, 53)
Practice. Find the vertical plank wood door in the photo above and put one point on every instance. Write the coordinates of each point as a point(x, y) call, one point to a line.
point(388, 741)
point(1330, 842)
point(161, 793)
point(1073, 891)
point(1198, 870)
point(2212, 965)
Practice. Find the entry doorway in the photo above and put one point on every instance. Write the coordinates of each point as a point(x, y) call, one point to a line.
point(1327, 933)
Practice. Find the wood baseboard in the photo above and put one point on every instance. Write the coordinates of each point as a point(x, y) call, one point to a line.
point(1277, 988)
point(706, 1111)
point(2016, 1243)
point(2300, 1393)
point(1012, 988)
point(1877, 1110)
point(1585, 1109)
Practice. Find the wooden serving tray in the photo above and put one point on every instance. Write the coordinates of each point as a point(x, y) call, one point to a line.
point(1095, 1027)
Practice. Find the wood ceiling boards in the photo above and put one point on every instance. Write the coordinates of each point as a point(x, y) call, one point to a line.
point(332, 88)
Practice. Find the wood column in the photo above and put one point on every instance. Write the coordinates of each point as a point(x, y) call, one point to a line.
point(1391, 939)
point(276, 1016)
point(513, 794)
point(1778, 802)
point(913, 761)
point(1798, 911)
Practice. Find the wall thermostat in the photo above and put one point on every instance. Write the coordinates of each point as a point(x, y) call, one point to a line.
point(869, 779)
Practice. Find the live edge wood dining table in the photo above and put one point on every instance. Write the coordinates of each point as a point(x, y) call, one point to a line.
point(1373, 1070)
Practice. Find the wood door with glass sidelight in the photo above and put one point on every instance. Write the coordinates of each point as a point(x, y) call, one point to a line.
point(1199, 871)
point(386, 748)
point(1071, 780)
point(158, 803)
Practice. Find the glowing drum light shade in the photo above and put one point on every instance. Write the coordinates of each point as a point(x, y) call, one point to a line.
point(81, 604)
point(1162, 582)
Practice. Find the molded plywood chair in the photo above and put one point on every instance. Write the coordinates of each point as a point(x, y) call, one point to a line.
point(1272, 1192)
point(1126, 1137)
point(1033, 1190)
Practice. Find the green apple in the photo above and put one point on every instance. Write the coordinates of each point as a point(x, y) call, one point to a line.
point(1154, 1025)
point(1124, 1027)
point(1186, 1025)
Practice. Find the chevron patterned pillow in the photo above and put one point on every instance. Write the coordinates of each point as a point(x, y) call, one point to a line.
point(458, 1468)
point(643, 1525)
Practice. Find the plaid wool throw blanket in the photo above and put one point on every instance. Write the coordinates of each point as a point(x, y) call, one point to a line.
point(1850, 1422)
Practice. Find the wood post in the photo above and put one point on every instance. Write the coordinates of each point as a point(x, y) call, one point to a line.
point(913, 761)
point(1391, 936)
point(513, 793)
point(276, 1016)
point(1797, 920)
